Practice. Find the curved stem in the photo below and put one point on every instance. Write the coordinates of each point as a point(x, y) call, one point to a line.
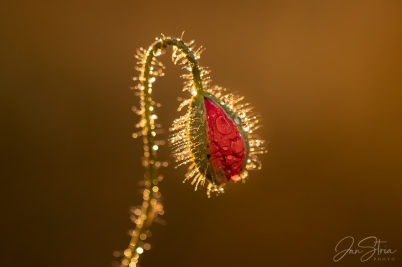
point(190, 55)
point(151, 205)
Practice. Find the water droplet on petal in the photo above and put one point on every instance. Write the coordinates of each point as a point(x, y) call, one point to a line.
point(223, 125)
point(235, 177)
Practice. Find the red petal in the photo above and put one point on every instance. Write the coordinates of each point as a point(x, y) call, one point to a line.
point(226, 144)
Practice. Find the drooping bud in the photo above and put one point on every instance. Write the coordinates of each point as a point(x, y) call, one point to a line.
point(216, 136)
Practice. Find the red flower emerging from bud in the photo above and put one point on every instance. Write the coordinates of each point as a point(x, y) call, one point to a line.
point(216, 137)
point(226, 145)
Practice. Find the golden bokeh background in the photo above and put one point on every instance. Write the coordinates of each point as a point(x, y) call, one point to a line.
point(326, 76)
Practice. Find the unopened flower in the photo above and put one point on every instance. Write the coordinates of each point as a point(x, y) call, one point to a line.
point(216, 137)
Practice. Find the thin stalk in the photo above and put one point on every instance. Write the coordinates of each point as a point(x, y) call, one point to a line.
point(151, 205)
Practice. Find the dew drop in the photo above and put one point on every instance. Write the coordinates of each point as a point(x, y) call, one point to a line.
point(235, 177)
point(193, 91)
point(151, 80)
point(237, 120)
point(157, 53)
point(223, 125)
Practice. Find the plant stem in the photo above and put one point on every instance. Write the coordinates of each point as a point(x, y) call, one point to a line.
point(151, 204)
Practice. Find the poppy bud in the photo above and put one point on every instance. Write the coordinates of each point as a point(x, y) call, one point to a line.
point(216, 136)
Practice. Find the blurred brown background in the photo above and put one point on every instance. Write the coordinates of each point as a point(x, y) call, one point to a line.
point(324, 75)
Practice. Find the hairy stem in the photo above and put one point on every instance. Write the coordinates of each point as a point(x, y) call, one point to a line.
point(151, 205)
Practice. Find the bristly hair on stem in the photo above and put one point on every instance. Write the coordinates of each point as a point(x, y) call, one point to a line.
point(193, 139)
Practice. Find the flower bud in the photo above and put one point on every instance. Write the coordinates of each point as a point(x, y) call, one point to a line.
point(216, 137)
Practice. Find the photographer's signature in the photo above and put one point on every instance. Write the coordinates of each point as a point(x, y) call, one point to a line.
point(368, 248)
